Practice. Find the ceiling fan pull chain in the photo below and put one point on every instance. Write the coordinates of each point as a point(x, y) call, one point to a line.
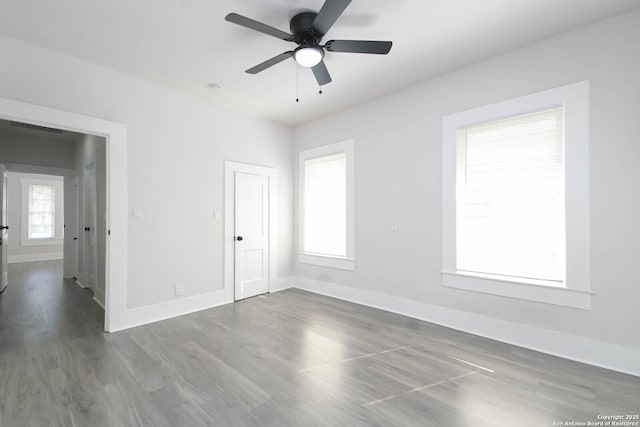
point(297, 82)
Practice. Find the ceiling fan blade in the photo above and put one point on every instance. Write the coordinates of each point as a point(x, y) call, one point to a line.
point(359, 46)
point(258, 26)
point(269, 63)
point(321, 73)
point(329, 14)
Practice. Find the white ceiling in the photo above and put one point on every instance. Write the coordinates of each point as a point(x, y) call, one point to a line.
point(186, 44)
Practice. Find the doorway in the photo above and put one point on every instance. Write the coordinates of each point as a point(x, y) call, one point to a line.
point(45, 168)
point(115, 210)
point(250, 229)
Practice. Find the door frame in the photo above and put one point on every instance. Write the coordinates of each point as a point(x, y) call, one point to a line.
point(75, 185)
point(4, 212)
point(87, 251)
point(115, 313)
point(230, 168)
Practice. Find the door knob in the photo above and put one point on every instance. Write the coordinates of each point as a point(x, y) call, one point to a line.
point(87, 229)
point(239, 238)
point(4, 227)
point(75, 238)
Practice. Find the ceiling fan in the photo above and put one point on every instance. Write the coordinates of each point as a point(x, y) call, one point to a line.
point(308, 29)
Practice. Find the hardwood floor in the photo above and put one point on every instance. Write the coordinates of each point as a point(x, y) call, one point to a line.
point(285, 359)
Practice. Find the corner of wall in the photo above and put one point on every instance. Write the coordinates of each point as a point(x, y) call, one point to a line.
point(579, 349)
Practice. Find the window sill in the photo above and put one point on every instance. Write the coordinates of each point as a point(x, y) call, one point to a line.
point(530, 290)
point(41, 242)
point(328, 261)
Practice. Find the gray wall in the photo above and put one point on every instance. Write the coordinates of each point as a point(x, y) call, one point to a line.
point(399, 176)
point(29, 149)
point(176, 148)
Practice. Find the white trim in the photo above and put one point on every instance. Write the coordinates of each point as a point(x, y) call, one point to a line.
point(575, 98)
point(559, 295)
point(182, 306)
point(117, 193)
point(328, 261)
point(98, 301)
point(230, 168)
point(98, 296)
point(282, 283)
point(168, 309)
point(46, 180)
point(579, 349)
point(42, 242)
point(348, 262)
point(44, 256)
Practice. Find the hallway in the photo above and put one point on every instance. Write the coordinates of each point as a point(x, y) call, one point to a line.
point(39, 307)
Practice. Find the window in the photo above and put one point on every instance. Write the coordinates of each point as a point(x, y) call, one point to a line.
point(515, 198)
point(42, 209)
point(326, 206)
point(42, 220)
point(510, 197)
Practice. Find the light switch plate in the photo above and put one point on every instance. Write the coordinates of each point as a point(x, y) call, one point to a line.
point(137, 213)
point(179, 289)
point(217, 215)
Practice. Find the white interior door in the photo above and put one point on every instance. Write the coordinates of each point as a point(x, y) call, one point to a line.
point(251, 235)
point(89, 244)
point(4, 229)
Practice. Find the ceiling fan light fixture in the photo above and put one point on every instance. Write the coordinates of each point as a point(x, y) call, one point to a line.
point(308, 56)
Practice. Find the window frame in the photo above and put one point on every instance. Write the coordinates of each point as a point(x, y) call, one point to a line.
point(348, 261)
point(58, 218)
point(576, 292)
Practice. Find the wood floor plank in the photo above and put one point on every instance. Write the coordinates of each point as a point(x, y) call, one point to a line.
point(287, 359)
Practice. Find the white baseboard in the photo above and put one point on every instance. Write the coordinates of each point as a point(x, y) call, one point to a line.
point(168, 309)
point(45, 256)
point(281, 283)
point(579, 349)
point(101, 304)
point(98, 296)
point(179, 307)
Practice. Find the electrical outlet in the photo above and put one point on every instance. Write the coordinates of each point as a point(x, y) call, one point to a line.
point(179, 289)
point(394, 227)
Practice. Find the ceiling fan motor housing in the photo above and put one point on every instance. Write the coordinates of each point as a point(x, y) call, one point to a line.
point(304, 34)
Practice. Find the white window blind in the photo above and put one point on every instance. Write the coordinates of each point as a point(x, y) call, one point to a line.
point(41, 211)
point(510, 204)
point(325, 210)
